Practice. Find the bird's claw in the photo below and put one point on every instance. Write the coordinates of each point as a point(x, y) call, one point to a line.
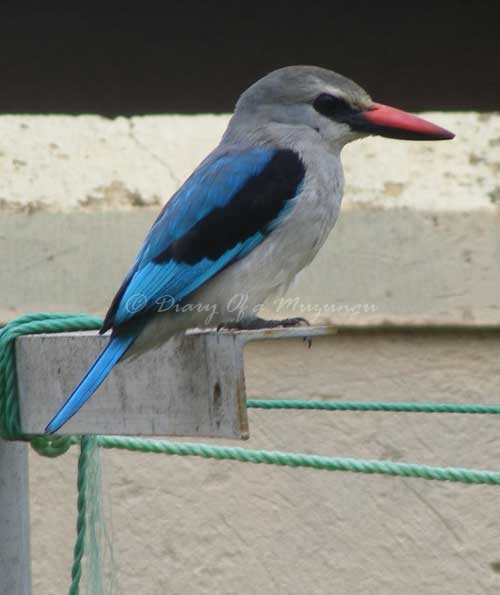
point(291, 322)
point(261, 324)
point(229, 326)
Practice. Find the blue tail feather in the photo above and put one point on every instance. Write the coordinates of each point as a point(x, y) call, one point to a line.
point(103, 365)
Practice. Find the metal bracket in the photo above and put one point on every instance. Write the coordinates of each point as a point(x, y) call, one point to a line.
point(194, 385)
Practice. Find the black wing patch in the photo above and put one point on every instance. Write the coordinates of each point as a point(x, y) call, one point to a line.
point(251, 210)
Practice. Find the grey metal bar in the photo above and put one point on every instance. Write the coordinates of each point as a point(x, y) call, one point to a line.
point(15, 566)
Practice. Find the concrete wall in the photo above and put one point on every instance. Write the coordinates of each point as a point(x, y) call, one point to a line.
point(418, 238)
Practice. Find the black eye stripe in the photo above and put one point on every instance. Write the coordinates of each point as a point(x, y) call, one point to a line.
point(333, 107)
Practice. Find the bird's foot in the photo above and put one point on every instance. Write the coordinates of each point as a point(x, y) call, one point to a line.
point(260, 324)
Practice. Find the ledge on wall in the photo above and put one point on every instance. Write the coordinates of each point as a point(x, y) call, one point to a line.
point(417, 241)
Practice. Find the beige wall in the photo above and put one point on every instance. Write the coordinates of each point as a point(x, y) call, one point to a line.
point(418, 237)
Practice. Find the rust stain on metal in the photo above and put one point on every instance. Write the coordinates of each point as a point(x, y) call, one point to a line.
point(241, 400)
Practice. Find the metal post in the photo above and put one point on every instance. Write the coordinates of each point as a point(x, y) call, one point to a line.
point(15, 567)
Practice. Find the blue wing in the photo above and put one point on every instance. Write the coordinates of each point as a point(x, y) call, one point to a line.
point(224, 210)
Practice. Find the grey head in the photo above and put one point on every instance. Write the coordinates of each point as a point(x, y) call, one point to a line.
point(295, 85)
point(313, 103)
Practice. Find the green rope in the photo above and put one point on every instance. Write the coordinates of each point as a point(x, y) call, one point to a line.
point(207, 451)
point(81, 519)
point(29, 325)
point(53, 446)
point(92, 543)
point(100, 569)
point(372, 406)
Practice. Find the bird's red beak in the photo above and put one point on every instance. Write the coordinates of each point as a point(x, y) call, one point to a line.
point(394, 123)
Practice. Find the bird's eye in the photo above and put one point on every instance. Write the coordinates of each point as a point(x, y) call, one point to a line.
point(332, 107)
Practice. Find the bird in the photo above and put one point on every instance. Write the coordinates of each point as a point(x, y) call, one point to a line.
point(252, 215)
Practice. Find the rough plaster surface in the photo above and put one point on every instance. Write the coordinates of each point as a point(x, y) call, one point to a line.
point(418, 237)
point(67, 162)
